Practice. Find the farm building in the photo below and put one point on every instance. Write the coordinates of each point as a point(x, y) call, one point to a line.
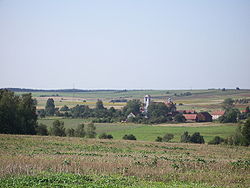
point(204, 117)
point(190, 117)
point(200, 117)
point(217, 114)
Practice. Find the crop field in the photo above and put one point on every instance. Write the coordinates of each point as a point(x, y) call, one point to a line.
point(149, 132)
point(45, 161)
point(200, 100)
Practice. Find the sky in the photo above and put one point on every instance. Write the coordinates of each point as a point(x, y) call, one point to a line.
point(125, 44)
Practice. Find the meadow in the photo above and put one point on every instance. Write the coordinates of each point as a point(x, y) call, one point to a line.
point(46, 161)
point(150, 132)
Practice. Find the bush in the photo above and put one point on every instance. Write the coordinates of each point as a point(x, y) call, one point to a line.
point(80, 132)
point(167, 137)
point(246, 132)
point(129, 137)
point(241, 136)
point(158, 139)
point(90, 132)
point(41, 129)
point(185, 137)
point(216, 140)
point(58, 128)
point(70, 132)
point(179, 118)
point(197, 138)
point(105, 136)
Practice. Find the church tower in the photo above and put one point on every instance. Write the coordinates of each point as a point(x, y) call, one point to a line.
point(147, 100)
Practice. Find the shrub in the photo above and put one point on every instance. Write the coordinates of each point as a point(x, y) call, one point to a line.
point(58, 128)
point(90, 132)
point(129, 137)
point(41, 129)
point(167, 137)
point(246, 132)
point(158, 139)
point(197, 138)
point(216, 140)
point(185, 137)
point(80, 132)
point(70, 132)
point(105, 136)
point(241, 135)
point(179, 118)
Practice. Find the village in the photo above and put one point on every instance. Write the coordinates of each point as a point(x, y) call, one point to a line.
point(189, 115)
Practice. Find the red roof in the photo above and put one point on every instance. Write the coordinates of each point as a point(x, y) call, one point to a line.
point(190, 116)
point(218, 113)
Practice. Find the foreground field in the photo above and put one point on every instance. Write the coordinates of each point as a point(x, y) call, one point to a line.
point(38, 161)
point(150, 132)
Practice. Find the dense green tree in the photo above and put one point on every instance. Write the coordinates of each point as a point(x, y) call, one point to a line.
point(27, 114)
point(9, 123)
point(81, 111)
point(50, 107)
point(90, 131)
point(230, 116)
point(133, 106)
point(17, 113)
point(57, 128)
point(157, 110)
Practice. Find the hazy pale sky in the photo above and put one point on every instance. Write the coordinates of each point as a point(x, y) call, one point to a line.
point(132, 44)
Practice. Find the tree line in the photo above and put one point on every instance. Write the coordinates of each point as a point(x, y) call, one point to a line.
point(17, 113)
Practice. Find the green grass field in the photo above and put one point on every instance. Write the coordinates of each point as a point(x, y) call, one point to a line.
point(149, 132)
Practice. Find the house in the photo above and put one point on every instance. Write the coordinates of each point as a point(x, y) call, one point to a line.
point(204, 117)
point(190, 117)
point(200, 117)
point(217, 114)
point(131, 115)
